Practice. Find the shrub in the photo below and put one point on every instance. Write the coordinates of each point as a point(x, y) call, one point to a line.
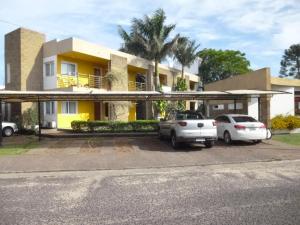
point(285, 122)
point(114, 126)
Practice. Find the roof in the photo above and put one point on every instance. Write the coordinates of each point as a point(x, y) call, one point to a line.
point(33, 96)
point(285, 82)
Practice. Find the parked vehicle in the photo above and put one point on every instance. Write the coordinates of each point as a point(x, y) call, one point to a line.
point(233, 127)
point(8, 129)
point(188, 127)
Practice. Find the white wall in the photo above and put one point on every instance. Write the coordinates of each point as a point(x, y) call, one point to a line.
point(253, 107)
point(50, 82)
point(282, 103)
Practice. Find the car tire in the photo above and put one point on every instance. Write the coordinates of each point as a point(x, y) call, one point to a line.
point(7, 132)
point(208, 144)
point(227, 138)
point(174, 141)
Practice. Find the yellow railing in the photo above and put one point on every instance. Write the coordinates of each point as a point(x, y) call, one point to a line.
point(81, 80)
point(136, 86)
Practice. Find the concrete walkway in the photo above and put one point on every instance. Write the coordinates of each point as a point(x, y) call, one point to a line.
point(136, 152)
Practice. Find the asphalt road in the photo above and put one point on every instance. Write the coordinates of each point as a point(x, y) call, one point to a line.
point(247, 193)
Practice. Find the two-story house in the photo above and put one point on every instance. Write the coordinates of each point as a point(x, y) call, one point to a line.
point(32, 63)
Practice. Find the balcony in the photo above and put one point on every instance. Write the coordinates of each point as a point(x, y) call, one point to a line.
point(136, 86)
point(81, 80)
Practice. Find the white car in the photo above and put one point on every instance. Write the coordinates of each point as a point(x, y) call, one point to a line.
point(8, 129)
point(237, 127)
point(188, 127)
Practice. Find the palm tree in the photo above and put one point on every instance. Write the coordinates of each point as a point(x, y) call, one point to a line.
point(150, 38)
point(185, 53)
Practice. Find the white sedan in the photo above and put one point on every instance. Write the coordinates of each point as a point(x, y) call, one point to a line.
point(234, 127)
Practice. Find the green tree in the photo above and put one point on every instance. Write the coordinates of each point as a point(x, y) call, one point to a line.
point(221, 64)
point(150, 38)
point(290, 63)
point(186, 52)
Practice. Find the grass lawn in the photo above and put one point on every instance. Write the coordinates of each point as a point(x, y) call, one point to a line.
point(292, 139)
point(17, 149)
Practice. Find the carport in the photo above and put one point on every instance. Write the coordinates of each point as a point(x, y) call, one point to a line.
point(43, 96)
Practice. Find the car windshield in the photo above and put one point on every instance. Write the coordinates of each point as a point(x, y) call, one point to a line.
point(243, 119)
point(189, 116)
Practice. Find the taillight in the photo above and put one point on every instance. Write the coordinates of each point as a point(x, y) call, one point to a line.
point(183, 124)
point(239, 127)
point(263, 126)
point(214, 123)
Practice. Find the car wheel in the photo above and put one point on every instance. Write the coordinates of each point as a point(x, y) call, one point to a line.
point(208, 144)
point(8, 131)
point(227, 137)
point(174, 142)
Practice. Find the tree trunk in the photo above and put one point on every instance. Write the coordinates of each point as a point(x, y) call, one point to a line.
point(156, 76)
point(182, 71)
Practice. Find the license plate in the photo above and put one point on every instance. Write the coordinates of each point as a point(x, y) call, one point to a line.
point(252, 128)
point(200, 139)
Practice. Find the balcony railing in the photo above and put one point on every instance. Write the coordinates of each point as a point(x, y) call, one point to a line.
point(136, 86)
point(93, 81)
point(81, 80)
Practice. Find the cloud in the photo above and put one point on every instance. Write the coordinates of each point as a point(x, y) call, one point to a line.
point(260, 28)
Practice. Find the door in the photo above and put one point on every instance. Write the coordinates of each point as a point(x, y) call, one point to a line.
point(97, 110)
point(97, 77)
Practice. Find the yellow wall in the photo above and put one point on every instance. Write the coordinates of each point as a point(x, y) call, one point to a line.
point(83, 68)
point(85, 111)
point(132, 107)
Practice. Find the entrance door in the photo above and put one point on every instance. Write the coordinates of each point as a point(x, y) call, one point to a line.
point(97, 110)
point(97, 77)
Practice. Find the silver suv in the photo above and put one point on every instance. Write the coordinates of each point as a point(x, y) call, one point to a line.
point(8, 129)
point(188, 127)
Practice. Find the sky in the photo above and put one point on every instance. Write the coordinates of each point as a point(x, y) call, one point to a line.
point(260, 28)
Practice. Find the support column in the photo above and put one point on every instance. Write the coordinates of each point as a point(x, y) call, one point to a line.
point(234, 102)
point(39, 120)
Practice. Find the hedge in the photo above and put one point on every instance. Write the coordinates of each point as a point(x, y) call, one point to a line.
point(285, 122)
point(114, 126)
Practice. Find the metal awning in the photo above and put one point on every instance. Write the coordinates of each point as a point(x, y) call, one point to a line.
point(34, 96)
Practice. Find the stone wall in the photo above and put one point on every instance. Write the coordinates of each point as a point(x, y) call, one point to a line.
point(119, 110)
point(23, 52)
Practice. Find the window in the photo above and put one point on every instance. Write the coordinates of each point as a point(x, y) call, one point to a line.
point(7, 73)
point(243, 119)
point(49, 108)
point(238, 106)
point(49, 69)
point(189, 116)
point(68, 69)
point(218, 107)
point(222, 119)
point(69, 107)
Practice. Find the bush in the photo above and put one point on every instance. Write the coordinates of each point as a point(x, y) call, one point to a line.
point(114, 126)
point(285, 122)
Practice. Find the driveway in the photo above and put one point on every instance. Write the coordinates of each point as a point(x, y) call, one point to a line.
point(135, 152)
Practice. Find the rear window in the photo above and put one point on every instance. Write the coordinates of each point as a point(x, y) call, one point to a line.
point(189, 116)
point(242, 119)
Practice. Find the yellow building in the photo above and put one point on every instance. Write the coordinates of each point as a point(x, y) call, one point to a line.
point(76, 65)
